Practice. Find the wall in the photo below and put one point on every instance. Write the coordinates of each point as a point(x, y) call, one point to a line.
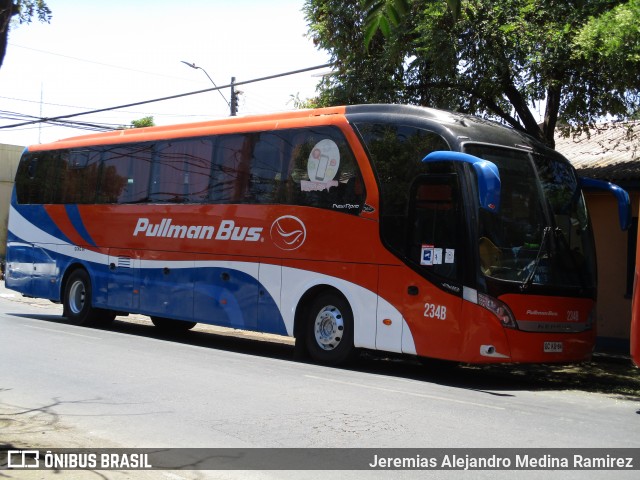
point(614, 306)
point(9, 158)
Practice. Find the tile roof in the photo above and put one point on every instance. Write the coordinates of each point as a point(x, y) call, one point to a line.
point(610, 151)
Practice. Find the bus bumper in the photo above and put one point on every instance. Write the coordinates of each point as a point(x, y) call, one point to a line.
point(529, 347)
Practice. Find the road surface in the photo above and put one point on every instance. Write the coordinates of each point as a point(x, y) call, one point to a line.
point(64, 385)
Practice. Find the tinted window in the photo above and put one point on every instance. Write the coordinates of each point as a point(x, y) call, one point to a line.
point(310, 167)
point(182, 171)
point(230, 173)
point(268, 164)
point(397, 152)
point(38, 177)
point(29, 179)
point(124, 176)
point(79, 179)
point(323, 172)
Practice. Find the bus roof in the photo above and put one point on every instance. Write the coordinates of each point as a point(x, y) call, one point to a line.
point(231, 124)
point(457, 127)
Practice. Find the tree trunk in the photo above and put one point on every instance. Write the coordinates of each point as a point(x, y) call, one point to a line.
point(523, 111)
point(551, 114)
point(7, 10)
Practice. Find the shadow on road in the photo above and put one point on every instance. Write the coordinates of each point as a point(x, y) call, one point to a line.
point(607, 374)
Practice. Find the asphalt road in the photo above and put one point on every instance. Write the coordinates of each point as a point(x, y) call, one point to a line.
point(64, 385)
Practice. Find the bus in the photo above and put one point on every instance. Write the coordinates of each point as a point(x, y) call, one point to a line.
point(394, 228)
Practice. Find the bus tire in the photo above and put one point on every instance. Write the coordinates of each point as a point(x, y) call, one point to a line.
point(329, 329)
point(77, 302)
point(171, 325)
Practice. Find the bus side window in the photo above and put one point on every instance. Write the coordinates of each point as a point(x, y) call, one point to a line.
point(45, 174)
point(80, 179)
point(55, 164)
point(266, 168)
point(324, 172)
point(199, 162)
point(124, 174)
point(167, 175)
point(33, 179)
point(230, 170)
point(182, 171)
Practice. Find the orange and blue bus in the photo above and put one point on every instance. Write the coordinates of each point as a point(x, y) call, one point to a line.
point(384, 227)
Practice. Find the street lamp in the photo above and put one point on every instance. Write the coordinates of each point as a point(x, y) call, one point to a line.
point(232, 105)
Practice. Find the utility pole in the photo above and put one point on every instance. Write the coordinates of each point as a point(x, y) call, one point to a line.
point(234, 98)
point(40, 125)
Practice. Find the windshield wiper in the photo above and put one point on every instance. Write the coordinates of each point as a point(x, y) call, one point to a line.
point(529, 280)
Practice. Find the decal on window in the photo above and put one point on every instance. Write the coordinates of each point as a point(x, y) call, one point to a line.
point(427, 255)
point(322, 166)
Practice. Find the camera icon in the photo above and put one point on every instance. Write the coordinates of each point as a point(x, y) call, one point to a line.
point(23, 459)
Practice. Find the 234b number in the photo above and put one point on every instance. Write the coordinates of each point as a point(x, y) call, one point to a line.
point(432, 310)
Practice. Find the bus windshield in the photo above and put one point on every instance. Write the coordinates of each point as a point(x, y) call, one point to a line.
point(519, 243)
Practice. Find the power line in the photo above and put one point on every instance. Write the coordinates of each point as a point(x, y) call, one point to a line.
point(80, 108)
point(162, 99)
point(99, 126)
point(78, 59)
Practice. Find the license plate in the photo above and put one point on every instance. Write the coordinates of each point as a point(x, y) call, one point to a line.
point(552, 347)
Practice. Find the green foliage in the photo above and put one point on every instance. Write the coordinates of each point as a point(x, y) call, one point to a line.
point(610, 45)
point(27, 9)
point(497, 58)
point(299, 103)
point(143, 122)
point(612, 35)
point(382, 15)
point(339, 27)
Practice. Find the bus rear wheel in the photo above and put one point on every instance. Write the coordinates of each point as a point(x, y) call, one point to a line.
point(329, 329)
point(171, 325)
point(77, 302)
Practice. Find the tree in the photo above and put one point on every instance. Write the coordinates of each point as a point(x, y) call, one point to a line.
point(143, 122)
point(610, 45)
point(497, 58)
point(382, 15)
point(24, 11)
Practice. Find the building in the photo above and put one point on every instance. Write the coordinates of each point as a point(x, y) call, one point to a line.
point(9, 158)
point(610, 152)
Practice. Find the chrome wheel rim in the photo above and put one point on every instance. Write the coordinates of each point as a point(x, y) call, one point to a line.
point(329, 327)
point(76, 297)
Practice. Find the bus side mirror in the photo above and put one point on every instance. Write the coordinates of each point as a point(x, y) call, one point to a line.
point(624, 205)
point(486, 172)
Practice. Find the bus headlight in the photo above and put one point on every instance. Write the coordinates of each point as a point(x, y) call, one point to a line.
point(499, 309)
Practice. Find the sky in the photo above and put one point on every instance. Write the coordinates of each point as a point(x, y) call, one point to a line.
point(97, 53)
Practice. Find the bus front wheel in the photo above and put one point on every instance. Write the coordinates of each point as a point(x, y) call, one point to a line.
point(329, 329)
point(77, 302)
